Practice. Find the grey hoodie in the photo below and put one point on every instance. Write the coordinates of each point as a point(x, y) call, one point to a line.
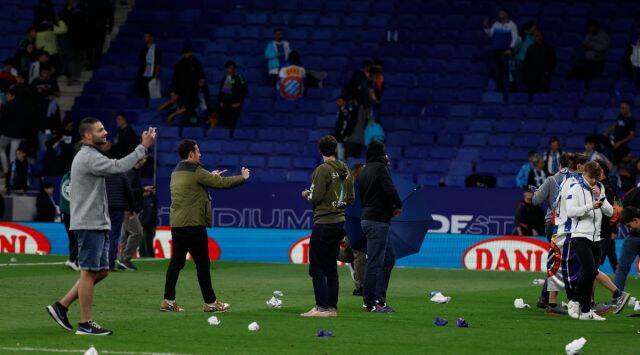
point(548, 192)
point(89, 206)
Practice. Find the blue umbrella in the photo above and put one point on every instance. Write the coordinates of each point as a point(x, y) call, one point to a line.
point(407, 230)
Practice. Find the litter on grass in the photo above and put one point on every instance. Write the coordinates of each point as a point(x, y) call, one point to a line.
point(213, 320)
point(274, 302)
point(91, 351)
point(637, 306)
point(254, 327)
point(575, 346)
point(433, 293)
point(519, 303)
point(440, 298)
point(461, 323)
point(632, 301)
point(538, 281)
point(277, 293)
point(440, 322)
point(324, 333)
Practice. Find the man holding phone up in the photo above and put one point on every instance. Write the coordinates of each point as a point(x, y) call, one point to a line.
point(586, 203)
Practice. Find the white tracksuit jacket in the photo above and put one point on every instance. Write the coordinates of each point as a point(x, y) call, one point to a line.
point(575, 214)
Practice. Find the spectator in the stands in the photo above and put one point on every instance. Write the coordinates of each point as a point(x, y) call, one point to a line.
point(529, 218)
point(25, 58)
point(100, 15)
point(373, 131)
point(173, 109)
point(622, 132)
point(79, 27)
point(592, 153)
point(188, 70)
point(21, 88)
point(539, 65)
point(537, 174)
point(43, 12)
point(43, 61)
point(148, 65)
point(45, 90)
point(20, 178)
point(8, 75)
point(60, 149)
point(277, 53)
point(522, 179)
point(595, 46)
point(14, 127)
point(504, 35)
point(292, 78)
point(345, 122)
point(46, 209)
point(231, 94)
point(359, 92)
point(552, 156)
point(46, 40)
point(628, 172)
point(528, 31)
point(126, 139)
point(29, 38)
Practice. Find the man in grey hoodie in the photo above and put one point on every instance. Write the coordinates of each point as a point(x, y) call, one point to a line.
point(90, 220)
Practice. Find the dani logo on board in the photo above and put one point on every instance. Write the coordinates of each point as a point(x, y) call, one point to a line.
point(508, 253)
point(16, 238)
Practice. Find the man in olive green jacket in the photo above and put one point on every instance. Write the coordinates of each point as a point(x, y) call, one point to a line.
point(190, 216)
point(330, 193)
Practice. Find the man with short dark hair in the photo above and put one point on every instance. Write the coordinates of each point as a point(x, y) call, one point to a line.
point(277, 54)
point(126, 138)
point(380, 203)
point(330, 192)
point(90, 220)
point(148, 65)
point(552, 157)
point(631, 247)
point(622, 132)
point(233, 90)
point(190, 216)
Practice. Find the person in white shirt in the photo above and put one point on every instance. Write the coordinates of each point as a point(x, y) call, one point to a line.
point(581, 218)
point(504, 36)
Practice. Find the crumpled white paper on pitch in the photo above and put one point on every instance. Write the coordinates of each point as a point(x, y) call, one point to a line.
point(254, 327)
point(575, 346)
point(440, 298)
point(213, 320)
point(274, 302)
point(519, 303)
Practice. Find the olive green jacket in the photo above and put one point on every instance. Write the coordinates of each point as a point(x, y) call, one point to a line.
point(331, 191)
point(190, 200)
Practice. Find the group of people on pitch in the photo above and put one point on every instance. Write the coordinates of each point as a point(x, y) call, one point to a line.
point(579, 204)
point(331, 191)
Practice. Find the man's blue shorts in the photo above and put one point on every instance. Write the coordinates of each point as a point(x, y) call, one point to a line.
point(93, 249)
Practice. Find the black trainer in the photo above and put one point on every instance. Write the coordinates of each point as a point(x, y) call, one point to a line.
point(92, 328)
point(59, 314)
point(357, 292)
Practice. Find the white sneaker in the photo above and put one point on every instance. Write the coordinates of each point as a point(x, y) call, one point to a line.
point(591, 316)
point(71, 265)
point(573, 308)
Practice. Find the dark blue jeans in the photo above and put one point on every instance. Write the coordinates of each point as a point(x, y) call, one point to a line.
point(116, 217)
point(324, 246)
point(380, 261)
point(630, 249)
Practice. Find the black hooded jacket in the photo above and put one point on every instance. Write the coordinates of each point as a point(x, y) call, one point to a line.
point(378, 196)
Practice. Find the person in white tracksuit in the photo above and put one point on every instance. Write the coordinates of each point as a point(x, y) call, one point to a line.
point(585, 203)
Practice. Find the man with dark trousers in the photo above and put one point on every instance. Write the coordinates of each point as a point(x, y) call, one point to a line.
point(190, 216)
point(380, 202)
point(330, 192)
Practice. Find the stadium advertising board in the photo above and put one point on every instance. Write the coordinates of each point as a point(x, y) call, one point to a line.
point(278, 205)
point(459, 251)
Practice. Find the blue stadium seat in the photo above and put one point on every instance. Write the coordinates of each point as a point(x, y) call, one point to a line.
point(435, 166)
point(460, 168)
point(454, 180)
point(429, 179)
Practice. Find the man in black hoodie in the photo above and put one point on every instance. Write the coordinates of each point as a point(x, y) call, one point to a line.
point(380, 202)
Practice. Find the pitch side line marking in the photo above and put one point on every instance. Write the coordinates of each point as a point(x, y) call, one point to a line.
point(25, 349)
point(62, 262)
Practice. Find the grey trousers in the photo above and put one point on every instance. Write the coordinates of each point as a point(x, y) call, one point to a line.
point(359, 265)
point(130, 237)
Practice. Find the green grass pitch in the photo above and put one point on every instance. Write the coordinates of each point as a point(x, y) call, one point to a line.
point(128, 303)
